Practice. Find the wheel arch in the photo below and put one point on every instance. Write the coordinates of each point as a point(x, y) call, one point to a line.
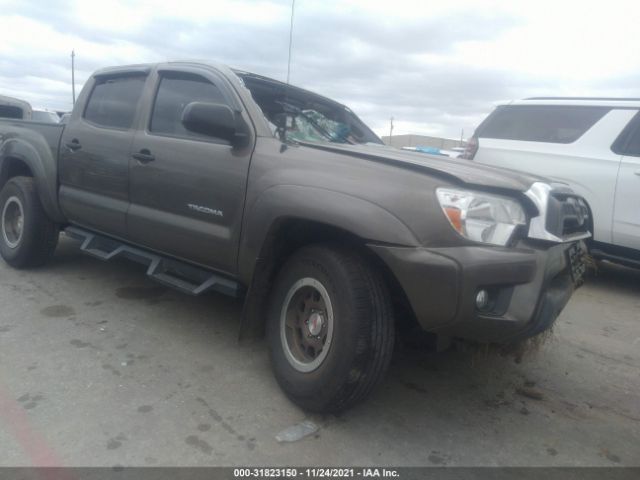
point(20, 158)
point(319, 217)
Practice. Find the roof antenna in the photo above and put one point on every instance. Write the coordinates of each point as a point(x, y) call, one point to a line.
point(283, 131)
point(293, 4)
point(73, 76)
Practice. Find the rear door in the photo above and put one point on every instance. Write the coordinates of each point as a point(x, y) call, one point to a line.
point(187, 190)
point(95, 151)
point(626, 217)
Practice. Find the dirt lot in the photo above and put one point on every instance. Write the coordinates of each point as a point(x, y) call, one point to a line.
point(101, 367)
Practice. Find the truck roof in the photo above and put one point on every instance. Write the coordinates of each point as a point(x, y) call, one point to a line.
point(4, 100)
point(144, 68)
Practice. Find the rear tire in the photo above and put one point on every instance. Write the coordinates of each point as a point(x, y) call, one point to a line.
point(28, 237)
point(330, 328)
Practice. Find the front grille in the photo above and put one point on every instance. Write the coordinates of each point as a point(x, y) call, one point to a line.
point(567, 215)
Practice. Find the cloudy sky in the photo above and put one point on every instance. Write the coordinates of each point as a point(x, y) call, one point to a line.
point(436, 66)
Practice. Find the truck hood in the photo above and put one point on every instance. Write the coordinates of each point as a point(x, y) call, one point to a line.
point(457, 170)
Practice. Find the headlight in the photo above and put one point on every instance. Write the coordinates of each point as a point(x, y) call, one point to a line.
point(481, 217)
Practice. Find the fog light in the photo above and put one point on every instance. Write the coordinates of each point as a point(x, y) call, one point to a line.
point(482, 300)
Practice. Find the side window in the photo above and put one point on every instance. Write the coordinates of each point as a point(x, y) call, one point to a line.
point(113, 101)
point(629, 142)
point(541, 123)
point(175, 92)
point(9, 111)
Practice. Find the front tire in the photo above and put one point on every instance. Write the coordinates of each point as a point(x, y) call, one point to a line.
point(330, 328)
point(28, 237)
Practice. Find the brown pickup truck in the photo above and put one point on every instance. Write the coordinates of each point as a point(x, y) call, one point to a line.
point(222, 180)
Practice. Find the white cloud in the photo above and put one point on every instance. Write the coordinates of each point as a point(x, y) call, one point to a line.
point(437, 67)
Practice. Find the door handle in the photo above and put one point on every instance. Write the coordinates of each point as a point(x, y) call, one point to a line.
point(637, 172)
point(144, 156)
point(73, 145)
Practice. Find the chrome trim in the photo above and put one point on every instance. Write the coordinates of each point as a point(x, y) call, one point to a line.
point(539, 194)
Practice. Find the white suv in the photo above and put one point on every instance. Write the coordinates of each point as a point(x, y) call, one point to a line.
point(591, 144)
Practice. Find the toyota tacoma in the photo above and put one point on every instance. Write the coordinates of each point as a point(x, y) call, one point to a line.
point(222, 180)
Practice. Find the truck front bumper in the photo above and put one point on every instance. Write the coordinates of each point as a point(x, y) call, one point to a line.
point(527, 287)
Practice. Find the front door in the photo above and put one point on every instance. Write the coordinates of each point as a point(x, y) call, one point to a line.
point(95, 152)
point(187, 190)
point(626, 217)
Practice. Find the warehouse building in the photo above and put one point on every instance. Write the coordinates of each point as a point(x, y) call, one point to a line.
point(400, 141)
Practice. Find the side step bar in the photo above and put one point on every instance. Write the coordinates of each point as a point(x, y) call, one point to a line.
point(182, 276)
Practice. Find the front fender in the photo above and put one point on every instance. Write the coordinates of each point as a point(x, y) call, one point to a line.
point(362, 218)
point(32, 149)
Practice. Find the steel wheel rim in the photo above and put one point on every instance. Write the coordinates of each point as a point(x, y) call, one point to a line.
point(306, 325)
point(12, 222)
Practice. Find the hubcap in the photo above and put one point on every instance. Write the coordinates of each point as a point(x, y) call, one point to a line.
point(12, 222)
point(306, 324)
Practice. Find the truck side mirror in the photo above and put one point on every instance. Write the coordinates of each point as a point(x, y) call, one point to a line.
point(215, 120)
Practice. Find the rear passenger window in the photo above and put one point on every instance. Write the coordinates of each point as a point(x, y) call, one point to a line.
point(113, 101)
point(541, 123)
point(176, 91)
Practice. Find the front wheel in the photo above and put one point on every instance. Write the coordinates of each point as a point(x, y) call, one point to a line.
point(330, 328)
point(28, 237)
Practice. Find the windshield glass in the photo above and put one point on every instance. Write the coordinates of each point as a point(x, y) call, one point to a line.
point(311, 125)
point(302, 116)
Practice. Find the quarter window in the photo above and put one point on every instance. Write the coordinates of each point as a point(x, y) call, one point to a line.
point(541, 123)
point(113, 101)
point(176, 91)
point(629, 141)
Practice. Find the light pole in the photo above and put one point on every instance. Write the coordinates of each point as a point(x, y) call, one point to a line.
point(73, 76)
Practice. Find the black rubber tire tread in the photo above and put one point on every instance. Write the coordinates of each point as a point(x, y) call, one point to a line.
point(40, 235)
point(374, 321)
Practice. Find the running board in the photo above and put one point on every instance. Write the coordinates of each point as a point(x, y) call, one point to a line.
point(182, 276)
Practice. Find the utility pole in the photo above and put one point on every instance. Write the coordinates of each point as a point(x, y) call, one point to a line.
point(73, 76)
point(390, 129)
point(293, 3)
point(461, 137)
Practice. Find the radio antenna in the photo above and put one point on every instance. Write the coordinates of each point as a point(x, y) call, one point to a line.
point(293, 4)
point(73, 76)
point(283, 130)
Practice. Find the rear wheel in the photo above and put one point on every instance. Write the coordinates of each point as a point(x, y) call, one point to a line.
point(28, 237)
point(330, 328)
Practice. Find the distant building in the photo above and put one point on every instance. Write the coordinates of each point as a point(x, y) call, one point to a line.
point(400, 141)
